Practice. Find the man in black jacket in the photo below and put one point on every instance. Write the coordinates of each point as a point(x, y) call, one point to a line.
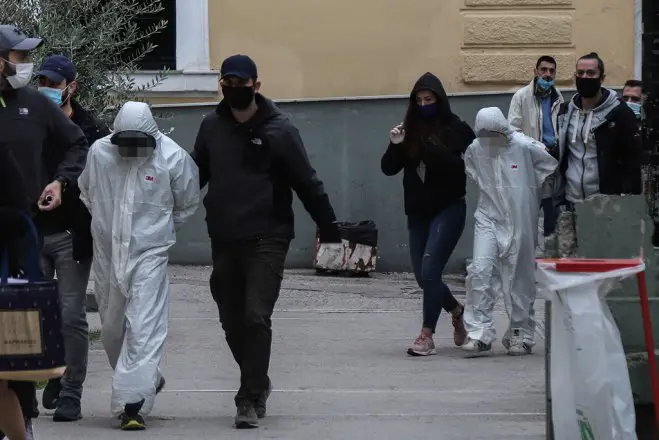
point(46, 144)
point(67, 247)
point(251, 156)
point(599, 145)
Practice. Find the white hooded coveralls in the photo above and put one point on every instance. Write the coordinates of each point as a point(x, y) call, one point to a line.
point(510, 171)
point(136, 205)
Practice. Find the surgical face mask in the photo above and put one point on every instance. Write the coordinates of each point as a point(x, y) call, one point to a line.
point(588, 87)
point(238, 98)
point(22, 74)
point(428, 111)
point(636, 108)
point(55, 95)
point(544, 84)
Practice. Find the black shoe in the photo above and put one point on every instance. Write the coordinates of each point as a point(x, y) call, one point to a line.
point(131, 420)
point(246, 416)
point(161, 385)
point(51, 393)
point(260, 405)
point(68, 410)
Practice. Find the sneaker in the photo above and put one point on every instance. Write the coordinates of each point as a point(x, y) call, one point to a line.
point(68, 410)
point(260, 405)
point(246, 417)
point(519, 349)
point(459, 331)
point(423, 346)
point(51, 393)
point(131, 420)
point(476, 348)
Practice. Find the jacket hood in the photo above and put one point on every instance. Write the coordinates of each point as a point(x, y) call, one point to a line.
point(608, 102)
point(430, 82)
point(136, 116)
point(492, 119)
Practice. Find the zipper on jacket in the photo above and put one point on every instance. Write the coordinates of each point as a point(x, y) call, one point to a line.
point(583, 158)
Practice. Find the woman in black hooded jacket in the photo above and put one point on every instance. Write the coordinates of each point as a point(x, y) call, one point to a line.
point(428, 147)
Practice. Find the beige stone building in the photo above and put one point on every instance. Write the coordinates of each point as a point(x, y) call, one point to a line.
point(311, 49)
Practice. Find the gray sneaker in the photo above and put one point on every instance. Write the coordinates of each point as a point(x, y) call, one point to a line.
point(68, 410)
point(519, 349)
point(246, 417)
point(260, 405)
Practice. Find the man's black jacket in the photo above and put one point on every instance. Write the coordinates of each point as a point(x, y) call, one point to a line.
point(619, 151)
point(250, 169)
point(44, 141)
point(72, 215)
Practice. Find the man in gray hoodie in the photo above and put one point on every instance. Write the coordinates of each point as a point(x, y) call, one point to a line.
point(599, 147)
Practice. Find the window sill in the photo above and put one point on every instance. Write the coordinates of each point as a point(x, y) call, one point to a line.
point(180, 81)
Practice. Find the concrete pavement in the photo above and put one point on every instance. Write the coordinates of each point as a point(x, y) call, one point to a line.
point(339, 370)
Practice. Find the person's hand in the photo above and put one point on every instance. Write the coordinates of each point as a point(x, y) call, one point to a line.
point(51, 197)
point(397, 134)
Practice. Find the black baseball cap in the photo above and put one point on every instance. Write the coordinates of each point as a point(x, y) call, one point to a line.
point(57, 68)
point(240, 66)
point(12, 38)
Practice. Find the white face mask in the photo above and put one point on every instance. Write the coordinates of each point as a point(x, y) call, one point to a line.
point(23, 75)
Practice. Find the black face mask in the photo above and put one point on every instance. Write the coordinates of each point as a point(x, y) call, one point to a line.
point(588, 87)
point(238, 98)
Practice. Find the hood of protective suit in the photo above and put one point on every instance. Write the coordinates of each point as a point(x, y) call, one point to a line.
point(136, 116)
point(491, 119)
point(430, 82)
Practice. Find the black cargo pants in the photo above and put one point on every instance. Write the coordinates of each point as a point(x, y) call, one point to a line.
point(245, 285)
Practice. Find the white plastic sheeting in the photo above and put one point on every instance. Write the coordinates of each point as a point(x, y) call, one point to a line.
point(590, 388)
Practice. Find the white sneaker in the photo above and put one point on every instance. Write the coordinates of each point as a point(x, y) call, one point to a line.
point(519, 349)
point(476, 348)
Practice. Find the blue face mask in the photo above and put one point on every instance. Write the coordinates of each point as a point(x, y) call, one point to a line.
point(544, 84)
point(636, 108)
point(428, 111)
point(54, 95)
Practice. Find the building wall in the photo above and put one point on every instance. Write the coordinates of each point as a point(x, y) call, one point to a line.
point(316, 49)
point(345, 141)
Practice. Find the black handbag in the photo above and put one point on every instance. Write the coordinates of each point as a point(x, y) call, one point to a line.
point(31, 342)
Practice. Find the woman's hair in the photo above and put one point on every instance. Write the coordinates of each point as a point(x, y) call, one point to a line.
point(418, 130)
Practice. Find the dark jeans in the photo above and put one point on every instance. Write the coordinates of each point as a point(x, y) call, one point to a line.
point(432, 241)
point(550, 215)
point(72, 278)
point(245, 285)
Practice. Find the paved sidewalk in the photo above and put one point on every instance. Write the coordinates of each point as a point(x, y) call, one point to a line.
point(339, 370)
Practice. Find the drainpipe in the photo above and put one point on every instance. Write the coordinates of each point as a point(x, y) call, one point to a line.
point(638, 39)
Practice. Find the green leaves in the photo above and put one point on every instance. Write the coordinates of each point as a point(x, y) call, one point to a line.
point(102, 38)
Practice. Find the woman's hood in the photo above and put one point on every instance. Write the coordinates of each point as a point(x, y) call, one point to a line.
point(136, 116)
point(430, 82)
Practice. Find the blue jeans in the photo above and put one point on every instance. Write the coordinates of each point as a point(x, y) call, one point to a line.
point(432, 241)
point(550, 215)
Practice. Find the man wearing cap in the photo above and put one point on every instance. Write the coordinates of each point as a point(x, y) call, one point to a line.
point(67, 246)
point(35, 131)
point(251, 156)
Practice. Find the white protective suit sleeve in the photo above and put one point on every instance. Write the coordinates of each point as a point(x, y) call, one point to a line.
point(84, 180)
point(544, 163)
point(470, 164)
point(185, 187)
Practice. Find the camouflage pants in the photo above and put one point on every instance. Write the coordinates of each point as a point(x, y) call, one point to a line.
point(563, 242)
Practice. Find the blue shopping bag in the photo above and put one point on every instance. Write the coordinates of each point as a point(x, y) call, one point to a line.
point(31, 342)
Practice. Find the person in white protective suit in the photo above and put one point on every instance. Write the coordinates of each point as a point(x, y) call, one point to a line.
point(139, 187)
point(510, 169)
